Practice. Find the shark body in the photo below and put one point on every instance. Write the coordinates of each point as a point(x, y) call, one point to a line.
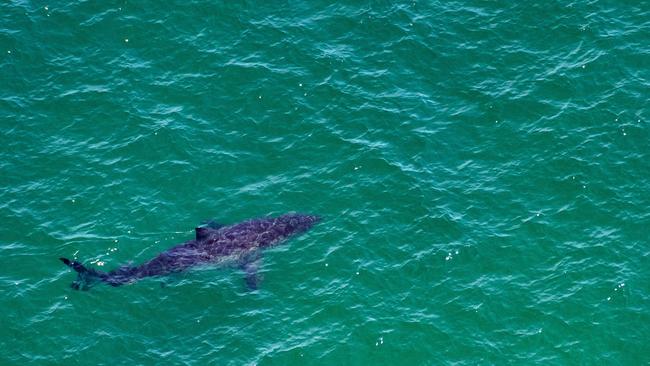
point(241, 241)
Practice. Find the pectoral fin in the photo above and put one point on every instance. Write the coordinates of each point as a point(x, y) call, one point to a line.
point(250, 266)
point(253, 278)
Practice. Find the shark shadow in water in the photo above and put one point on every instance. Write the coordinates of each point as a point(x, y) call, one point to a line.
point(241, 242)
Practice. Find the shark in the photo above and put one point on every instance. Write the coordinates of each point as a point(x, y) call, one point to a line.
point(214, 243)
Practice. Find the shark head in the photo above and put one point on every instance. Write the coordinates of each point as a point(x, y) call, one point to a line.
point(297, 223)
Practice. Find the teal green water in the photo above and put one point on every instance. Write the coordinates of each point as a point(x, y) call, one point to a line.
point(482, 170)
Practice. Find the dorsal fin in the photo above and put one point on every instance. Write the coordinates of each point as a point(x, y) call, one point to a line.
point(202, 233)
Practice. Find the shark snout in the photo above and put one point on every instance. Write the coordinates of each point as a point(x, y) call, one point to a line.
point(313, 218)
point(301, 223)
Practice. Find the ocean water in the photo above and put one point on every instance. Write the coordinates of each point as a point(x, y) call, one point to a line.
point(481, 168)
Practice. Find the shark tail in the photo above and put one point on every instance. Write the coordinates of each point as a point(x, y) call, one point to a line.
point(85, 277)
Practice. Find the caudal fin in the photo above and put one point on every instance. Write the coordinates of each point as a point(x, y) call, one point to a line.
point(85, 277)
